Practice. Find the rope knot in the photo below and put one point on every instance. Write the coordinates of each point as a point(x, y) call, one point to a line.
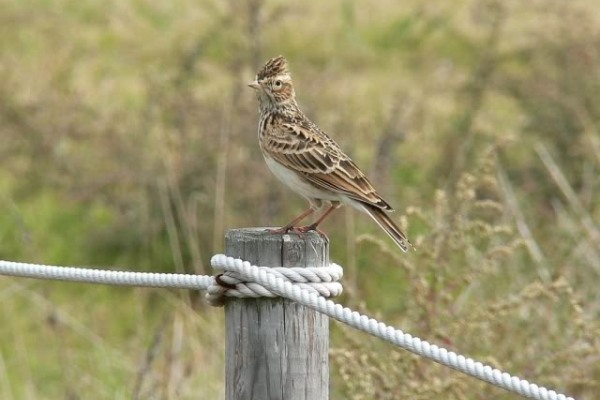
point(236, 280)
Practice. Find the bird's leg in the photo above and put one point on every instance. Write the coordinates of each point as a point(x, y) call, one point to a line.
point(313, 227)
point(290, 226)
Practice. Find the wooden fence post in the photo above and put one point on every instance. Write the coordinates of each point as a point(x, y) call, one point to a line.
point(276, 349)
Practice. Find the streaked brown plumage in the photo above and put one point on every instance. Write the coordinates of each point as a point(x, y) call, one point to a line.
point(307, 160)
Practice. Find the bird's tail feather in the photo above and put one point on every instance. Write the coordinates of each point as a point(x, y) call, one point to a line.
point(386, 223)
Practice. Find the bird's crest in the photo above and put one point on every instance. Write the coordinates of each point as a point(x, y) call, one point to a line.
point(275, 66)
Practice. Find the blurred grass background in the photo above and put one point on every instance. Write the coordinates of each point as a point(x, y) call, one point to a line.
point(128, 138)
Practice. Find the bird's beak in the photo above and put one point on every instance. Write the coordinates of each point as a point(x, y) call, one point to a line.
point(254, 85)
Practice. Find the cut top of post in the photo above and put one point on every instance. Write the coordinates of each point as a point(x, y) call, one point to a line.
point(261, 247)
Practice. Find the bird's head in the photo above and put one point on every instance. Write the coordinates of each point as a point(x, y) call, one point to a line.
point(273, 84)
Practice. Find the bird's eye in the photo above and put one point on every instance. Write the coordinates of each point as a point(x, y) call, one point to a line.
point(278, 83)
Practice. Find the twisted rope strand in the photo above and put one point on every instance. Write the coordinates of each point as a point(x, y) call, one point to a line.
point(107, 277)
point(317, 280)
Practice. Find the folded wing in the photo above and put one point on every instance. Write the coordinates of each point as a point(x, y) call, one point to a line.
point(308, 150)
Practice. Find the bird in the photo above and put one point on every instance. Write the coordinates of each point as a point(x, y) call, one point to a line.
point(308, 161)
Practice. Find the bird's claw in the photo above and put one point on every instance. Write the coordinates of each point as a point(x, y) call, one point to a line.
point(310, 228)
point(284, 229)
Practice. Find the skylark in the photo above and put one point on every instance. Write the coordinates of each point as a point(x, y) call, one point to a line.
point(307, 160)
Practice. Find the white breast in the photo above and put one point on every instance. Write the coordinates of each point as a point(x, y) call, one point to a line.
point(297, 184)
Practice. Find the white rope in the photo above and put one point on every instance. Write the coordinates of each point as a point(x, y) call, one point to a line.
point(89, 275)
point(322, 281)
point(306, 290)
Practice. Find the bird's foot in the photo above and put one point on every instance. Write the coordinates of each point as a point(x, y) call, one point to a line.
point(283, 229)
point(309, 228)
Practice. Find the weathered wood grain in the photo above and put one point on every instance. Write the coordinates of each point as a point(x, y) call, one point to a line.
point(276, 349)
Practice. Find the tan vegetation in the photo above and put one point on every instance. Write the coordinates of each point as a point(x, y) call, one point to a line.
point(128, 138)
